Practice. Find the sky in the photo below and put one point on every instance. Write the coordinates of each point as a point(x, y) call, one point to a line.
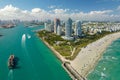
point(92, 10)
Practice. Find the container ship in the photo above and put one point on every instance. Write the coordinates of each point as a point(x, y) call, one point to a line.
point(11, 62)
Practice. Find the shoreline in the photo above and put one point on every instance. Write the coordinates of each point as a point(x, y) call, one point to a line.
point(89, 56)
point(54, 51)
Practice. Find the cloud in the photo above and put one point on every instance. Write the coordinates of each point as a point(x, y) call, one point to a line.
point(60, 11)
point(101, 12)
point(9, 8)
point(36, 10)
point(10, 12)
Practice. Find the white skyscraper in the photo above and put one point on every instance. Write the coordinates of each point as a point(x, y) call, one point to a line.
point(59, 30)
point(78, 30)
point(49, 27)
point(68, 30)
point(45, 24)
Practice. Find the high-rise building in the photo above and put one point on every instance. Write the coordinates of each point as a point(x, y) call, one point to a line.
point(45, 24)
point(78, 30)
point(59, 30)
point(48, 27)
point(68, 28)
point(56, 24)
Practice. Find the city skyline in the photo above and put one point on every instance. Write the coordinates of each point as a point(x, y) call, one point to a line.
point(104, 10)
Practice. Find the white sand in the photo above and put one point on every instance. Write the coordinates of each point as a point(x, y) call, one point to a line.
point(89, 56)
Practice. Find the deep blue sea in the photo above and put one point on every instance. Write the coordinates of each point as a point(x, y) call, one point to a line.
point(35, 60)
point(108, 68)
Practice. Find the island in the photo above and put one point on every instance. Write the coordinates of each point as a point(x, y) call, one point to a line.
point(8, 25)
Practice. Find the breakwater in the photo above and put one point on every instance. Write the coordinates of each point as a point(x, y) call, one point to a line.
point(74, 74)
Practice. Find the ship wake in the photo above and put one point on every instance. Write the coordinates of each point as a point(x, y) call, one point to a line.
point(10, 74)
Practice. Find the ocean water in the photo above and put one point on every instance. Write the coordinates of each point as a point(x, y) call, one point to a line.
point(108, 68)
point(35, 60)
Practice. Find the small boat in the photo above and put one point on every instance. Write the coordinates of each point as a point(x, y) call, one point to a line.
point(11, 62)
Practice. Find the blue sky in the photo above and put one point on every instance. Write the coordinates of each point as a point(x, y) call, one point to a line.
point(100, 10)
point(82, 5)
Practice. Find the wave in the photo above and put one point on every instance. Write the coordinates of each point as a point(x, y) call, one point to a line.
point(108, 50)
point(108, 63)
point(107, 57)
point(103, 74)
point(104, 68)
point(110, 58)
point(114, 58)
point(96, 72)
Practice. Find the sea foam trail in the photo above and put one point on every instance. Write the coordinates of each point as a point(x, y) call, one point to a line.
point(28, 36)
point(23, 41)
point(10, 74)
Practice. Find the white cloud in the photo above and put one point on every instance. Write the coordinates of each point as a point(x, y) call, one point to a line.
point(9, 8)
point(101, 12)
point(37, 10)
point(60, 11)
point(11, 12)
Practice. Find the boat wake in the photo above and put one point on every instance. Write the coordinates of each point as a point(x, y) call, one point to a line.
point(28, 36)
point(10, 74)
point(23, 41)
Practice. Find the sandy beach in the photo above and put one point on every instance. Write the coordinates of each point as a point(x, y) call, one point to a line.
point(91, 54)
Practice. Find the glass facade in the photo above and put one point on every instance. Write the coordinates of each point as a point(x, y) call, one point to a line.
point(68, 28)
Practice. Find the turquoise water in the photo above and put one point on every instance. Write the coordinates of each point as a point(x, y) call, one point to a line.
point(108, 67)
point(35, 60)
